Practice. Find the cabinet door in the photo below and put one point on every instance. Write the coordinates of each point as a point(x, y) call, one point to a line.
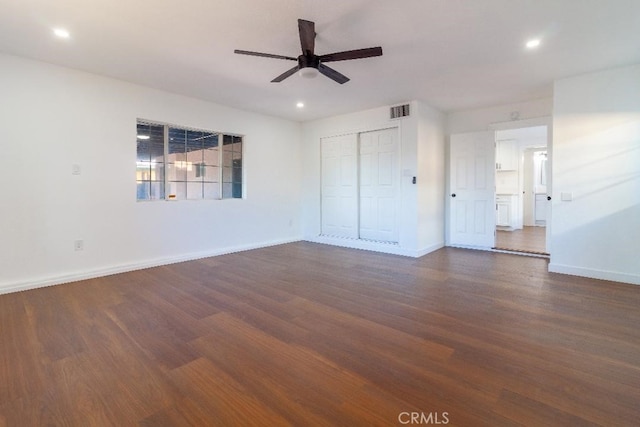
point(503, 214)
point(541, 208)
point(507, 155)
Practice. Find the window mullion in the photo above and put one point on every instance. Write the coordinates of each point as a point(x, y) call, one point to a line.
point(220, 165)
point(166, 161)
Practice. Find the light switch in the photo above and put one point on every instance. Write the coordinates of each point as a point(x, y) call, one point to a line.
point(566, 197)
point(75, 169)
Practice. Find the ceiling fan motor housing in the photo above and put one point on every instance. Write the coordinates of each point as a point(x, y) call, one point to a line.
point(305, 61)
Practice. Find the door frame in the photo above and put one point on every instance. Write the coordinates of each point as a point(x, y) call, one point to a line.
point(538, 121)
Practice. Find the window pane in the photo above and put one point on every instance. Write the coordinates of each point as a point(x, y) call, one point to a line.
point(157, 171)
point(143, 154)
point(177, 171)
point(177, 190)
point(177, 145)
point(143, 190)
point(226, 174)
point(157, 190)
point(211, 190)
point(237, 154)
point(157, 152)
point(210, 141)
point(149, 161)
point(227, 192)
point(210, 156)
point(236, 190)
point(194, 154)
point(210, 174)
point(232, 166)
point(194, 146)
point(194, 190)
point(236, 175)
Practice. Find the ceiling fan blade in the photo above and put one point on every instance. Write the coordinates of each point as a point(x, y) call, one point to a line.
point(265, 55)
point(352, 54)
point(307, 31)
point(286, 74)
point(333, 74)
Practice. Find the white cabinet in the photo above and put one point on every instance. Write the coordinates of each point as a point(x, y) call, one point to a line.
point(541, 209)
point(507, 155)
point(506, 210)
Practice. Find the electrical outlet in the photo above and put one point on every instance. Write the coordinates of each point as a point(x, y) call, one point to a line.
point(75, 169)
point(78, 245)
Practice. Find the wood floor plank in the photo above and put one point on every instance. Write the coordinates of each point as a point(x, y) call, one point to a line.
point(307, 334)
point(226, 399)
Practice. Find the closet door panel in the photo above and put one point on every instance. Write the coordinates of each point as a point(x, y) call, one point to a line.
point(339, 192)
point(379, 185)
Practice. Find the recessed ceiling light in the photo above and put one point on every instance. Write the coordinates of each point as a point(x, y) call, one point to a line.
point(533, 43)
point(143, 137)
point(300, 105)
point(62, 33)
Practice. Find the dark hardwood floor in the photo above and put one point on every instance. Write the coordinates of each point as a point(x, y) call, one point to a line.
point(527, 239)
point(309, 335)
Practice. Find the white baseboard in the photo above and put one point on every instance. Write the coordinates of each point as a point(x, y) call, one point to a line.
point(123, 268)
point(367, 245)
point(429, 249)
point(595, 274)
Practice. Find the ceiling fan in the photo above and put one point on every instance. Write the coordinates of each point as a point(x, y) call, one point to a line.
point(309, 64)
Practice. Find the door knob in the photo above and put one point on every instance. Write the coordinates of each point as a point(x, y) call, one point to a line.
point(453, 195)
point(548, 197)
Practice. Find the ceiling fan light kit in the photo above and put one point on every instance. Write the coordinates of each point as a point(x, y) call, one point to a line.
point(309, 72)
point(310, 64)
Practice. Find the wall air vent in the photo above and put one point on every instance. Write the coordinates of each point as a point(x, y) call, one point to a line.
point(400, 111)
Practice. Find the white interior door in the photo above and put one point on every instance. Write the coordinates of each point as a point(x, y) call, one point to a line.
point(472, 198)
point(379, 185)
point(340, 186)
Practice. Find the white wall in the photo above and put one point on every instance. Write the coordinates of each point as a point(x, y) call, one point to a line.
point(596, 158)
point(53, 117)
point(480, 119)
point(420, 135)
point(431, 177)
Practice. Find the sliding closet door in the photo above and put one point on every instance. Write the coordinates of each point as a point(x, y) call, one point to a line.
point(340, 186)
point(379, 185)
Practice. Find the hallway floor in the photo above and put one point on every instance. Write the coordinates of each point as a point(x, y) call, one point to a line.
point(529, 239)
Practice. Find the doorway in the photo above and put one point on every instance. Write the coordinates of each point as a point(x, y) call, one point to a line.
point(521, 189)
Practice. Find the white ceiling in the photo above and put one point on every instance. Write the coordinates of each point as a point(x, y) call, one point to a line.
point(452, 54)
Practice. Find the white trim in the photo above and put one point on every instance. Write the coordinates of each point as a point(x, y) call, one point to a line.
point(525, 123)
point(614, 276)
point(432, 248)
point(371, 128)
point(124, 268)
